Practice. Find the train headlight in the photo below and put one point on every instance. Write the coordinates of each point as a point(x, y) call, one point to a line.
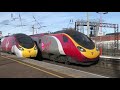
point(35, 48)
point(20, 48)
point(81, 49)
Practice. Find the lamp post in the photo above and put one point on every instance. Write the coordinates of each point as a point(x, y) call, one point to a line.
point(100, 33)
point(88, 25)
point(33, 29)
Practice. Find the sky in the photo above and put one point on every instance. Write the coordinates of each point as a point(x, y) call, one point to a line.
point(50, 21)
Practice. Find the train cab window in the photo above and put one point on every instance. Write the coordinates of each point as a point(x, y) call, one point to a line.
point(65, 39)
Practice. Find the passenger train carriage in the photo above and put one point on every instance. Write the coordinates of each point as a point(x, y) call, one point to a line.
point(20, 45)
point(67, 46)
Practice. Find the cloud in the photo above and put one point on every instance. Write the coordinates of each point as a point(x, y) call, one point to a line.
point(5, 22)
point(53, 20)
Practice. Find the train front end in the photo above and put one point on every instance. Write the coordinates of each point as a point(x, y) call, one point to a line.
point(88, 51)
point(88, 55)
point(85, 50)
point(28, 53)
point(25, 47)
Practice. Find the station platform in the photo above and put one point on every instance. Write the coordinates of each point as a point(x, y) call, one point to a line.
point(56, 70)
point(110, 57)
point(12, 68)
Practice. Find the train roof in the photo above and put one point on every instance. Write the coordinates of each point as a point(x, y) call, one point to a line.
point(38, 35)
point(70, 32)
point(61, 31)
point(112, 33)
point(19, 34)
point(16, 35)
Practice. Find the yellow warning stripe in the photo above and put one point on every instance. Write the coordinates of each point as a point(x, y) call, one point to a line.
point(34, 67)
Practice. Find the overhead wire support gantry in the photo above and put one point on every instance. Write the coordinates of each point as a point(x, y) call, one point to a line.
point(97, 24)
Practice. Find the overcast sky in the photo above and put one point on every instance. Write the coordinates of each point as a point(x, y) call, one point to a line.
point(53, 21)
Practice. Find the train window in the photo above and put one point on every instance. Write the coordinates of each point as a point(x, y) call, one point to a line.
point(65, 39)
point(24, 40)
point(39, 40)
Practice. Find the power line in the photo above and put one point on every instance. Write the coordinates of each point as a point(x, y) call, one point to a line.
point(70, 22)
point(36, 21)
point(20, 19)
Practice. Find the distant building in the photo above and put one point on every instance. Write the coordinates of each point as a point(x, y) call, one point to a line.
point(106, 40)
point(107, 37)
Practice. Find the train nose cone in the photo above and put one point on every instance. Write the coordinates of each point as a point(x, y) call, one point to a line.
point(29, 53)
point(92, 53)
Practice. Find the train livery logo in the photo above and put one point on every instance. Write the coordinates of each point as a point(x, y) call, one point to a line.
point(46, 45)
point(43, 46)
point(7, 44)
point(29, 51)
point(92, 53)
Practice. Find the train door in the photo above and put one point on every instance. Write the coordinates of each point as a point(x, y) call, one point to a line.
point(68, 46)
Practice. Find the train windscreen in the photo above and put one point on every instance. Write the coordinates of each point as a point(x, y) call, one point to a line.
point(25, 40)
point(81, 39)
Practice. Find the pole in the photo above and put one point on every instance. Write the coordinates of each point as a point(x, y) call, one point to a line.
point(33, 29)
point(101, 30)
point(75, 26)
point(36, 31)
point(87, 24)
point(101, 22)
point(101, 33)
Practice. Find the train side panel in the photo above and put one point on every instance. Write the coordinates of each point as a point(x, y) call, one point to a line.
point(11, 44)
point(55, 44)
point(69, 47)
point(51, 45)
point(3, 44)
point(7, 44)
point(64, 47)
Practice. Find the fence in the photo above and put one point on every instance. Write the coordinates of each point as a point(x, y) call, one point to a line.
point(108, 49)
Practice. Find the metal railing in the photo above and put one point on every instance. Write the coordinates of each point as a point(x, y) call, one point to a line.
point(109, 49)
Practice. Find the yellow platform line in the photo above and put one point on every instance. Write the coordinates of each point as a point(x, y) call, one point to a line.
point(34, 67)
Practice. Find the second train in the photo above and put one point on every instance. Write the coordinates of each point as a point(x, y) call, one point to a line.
point(67, 46)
